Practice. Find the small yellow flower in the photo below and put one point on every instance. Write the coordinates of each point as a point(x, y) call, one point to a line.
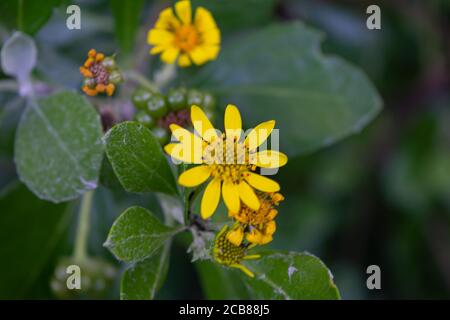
point(180, 35)
point(226, 160)
point(258, 226)
point(229, 254)
point(100, 73)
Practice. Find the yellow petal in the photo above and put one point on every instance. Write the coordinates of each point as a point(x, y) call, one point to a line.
point(202, 124)
point(159, 37)
point(190, 146)
point(184, 136)
point(183, 10)
point(251, 257)
point(259, 134)
point(170, 55)
point(235, 236)
point(204, 20)
point(233, 119)
point(184, 61)
point(261, 183)
point(254, 236)
point(248, 196)
point(231, 196)
point(204, 53)
point(270, 228)
point(243, 268)
point(272, 214)
point(265, 239)
point(167, 20)
point(157, 49)
point(210, 199)
point(211, 37)
point(270, 159)
point(195, 176)
point(183, 153)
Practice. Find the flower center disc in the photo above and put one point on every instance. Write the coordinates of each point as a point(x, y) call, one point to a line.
point(228, 160)
point(187, 38)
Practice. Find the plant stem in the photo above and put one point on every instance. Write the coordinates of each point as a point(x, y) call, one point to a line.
point(141, 80)
point(189, 202)
point(80, 251)
point(165, 74)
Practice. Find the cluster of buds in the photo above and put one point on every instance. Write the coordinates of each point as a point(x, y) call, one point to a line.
point(227, 253)
point(158, 111)
point(250, 228)
point(97, 278)
point(255, 227)
point(101, 74)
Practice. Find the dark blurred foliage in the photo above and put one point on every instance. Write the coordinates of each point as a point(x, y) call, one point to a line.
point(381, 197)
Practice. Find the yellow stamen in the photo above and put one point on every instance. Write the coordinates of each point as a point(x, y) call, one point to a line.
point(186, 38)
point(89, 91)
point(99, 57)
point(236, 236)
point(100, 88)
point(92, 53)
point(88, 62)
point(229, 254)
point(86, 73)
point(110, 89)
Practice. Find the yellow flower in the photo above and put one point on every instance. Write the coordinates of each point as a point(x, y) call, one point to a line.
point(100, 73)
point(257, 226)
point(226, 159)
point(180, 35)
point(226, 253)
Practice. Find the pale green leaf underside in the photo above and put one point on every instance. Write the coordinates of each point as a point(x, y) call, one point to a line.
point(290, 276)
point(142, 280)
point(137, 234)
point(58, 148)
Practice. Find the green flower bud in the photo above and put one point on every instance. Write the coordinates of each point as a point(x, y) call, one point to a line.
point(194, 97)
point(140, 98)
point(144, 118)
point(115, 77)
point(161, 135)
point(209, 102)
point(157, 106)
point(90, 82)
point(109, 63)
point(96, 278)
point(177, 99)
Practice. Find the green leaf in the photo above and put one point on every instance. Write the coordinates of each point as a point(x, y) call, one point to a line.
point(138, 160)
point(142, 280)
point(137, 234)
point(30, 232)
point(58, 149)
point(290, 276)
point(26, 15)
point(108, 177)
point(219, 283)
point(126, 18)
point(236, 15)
point(280, 73)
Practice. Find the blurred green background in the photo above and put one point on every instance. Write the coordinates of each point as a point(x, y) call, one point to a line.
point(380, 197)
